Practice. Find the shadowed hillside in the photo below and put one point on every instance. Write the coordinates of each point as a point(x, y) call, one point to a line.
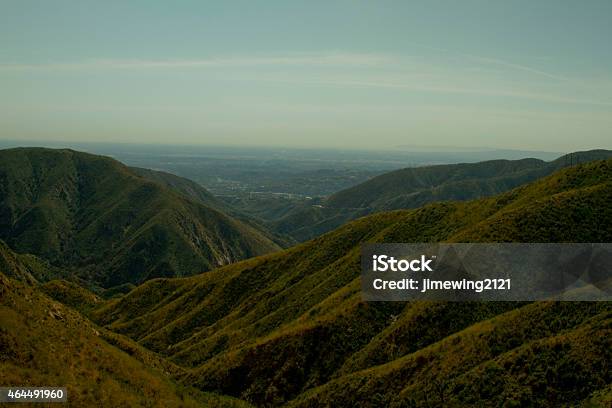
point(414, 187)
point(24, 267)
point(96, 218)
point(291, 326)
point(198, 193)
point(45, 343)
point(185, 186)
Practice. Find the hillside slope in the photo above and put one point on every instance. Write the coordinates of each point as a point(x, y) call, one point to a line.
point(291, 326)
point(25, 267)
point(44, 343)
point(196, 192)
point(414, 187)
point(95, 217)
point(185, 186)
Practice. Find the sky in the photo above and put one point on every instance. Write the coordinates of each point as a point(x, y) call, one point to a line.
point(531, 75)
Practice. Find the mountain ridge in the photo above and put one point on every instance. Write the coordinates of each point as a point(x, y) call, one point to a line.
point(414, 187)
point(291, 328)
point(93, 215)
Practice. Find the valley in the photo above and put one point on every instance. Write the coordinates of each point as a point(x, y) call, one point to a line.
point(290, 327)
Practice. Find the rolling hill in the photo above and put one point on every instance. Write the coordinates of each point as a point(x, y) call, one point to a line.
point(414, 187)
point(291, 328)
point(46, 343)
point(97, 219)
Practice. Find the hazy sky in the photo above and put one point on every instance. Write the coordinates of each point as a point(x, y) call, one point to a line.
point(512, 74)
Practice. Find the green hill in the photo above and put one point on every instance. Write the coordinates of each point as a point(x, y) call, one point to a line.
point(414, 187)
point(184, 186)
point(45, 343)
point(291, 327)
point(100, 221)
point(24, 267)
point(198, 193)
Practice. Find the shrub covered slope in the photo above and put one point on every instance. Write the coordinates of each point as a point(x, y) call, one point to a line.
point(45, 343)
point(291, 328)
point(415, 187)
point(96, 218)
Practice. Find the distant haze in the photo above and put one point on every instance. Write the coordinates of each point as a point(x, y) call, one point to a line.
point(322, 74)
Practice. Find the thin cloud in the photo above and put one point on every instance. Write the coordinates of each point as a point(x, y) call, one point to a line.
point(444, 89)
point(297, 59)
point(495, 61)
point(426, 76)
point(519, 67)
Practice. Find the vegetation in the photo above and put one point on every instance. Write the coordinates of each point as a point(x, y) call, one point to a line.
point(100, 222)
point(70, 294)
point(415, 187)
point(46, 343)
point(24, 267)
point(291, 328)
point(185, 186)
point(198, 193)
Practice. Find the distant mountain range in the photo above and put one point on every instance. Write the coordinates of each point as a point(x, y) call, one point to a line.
point(291, 328)
point(107, 224)
point(414, 187)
